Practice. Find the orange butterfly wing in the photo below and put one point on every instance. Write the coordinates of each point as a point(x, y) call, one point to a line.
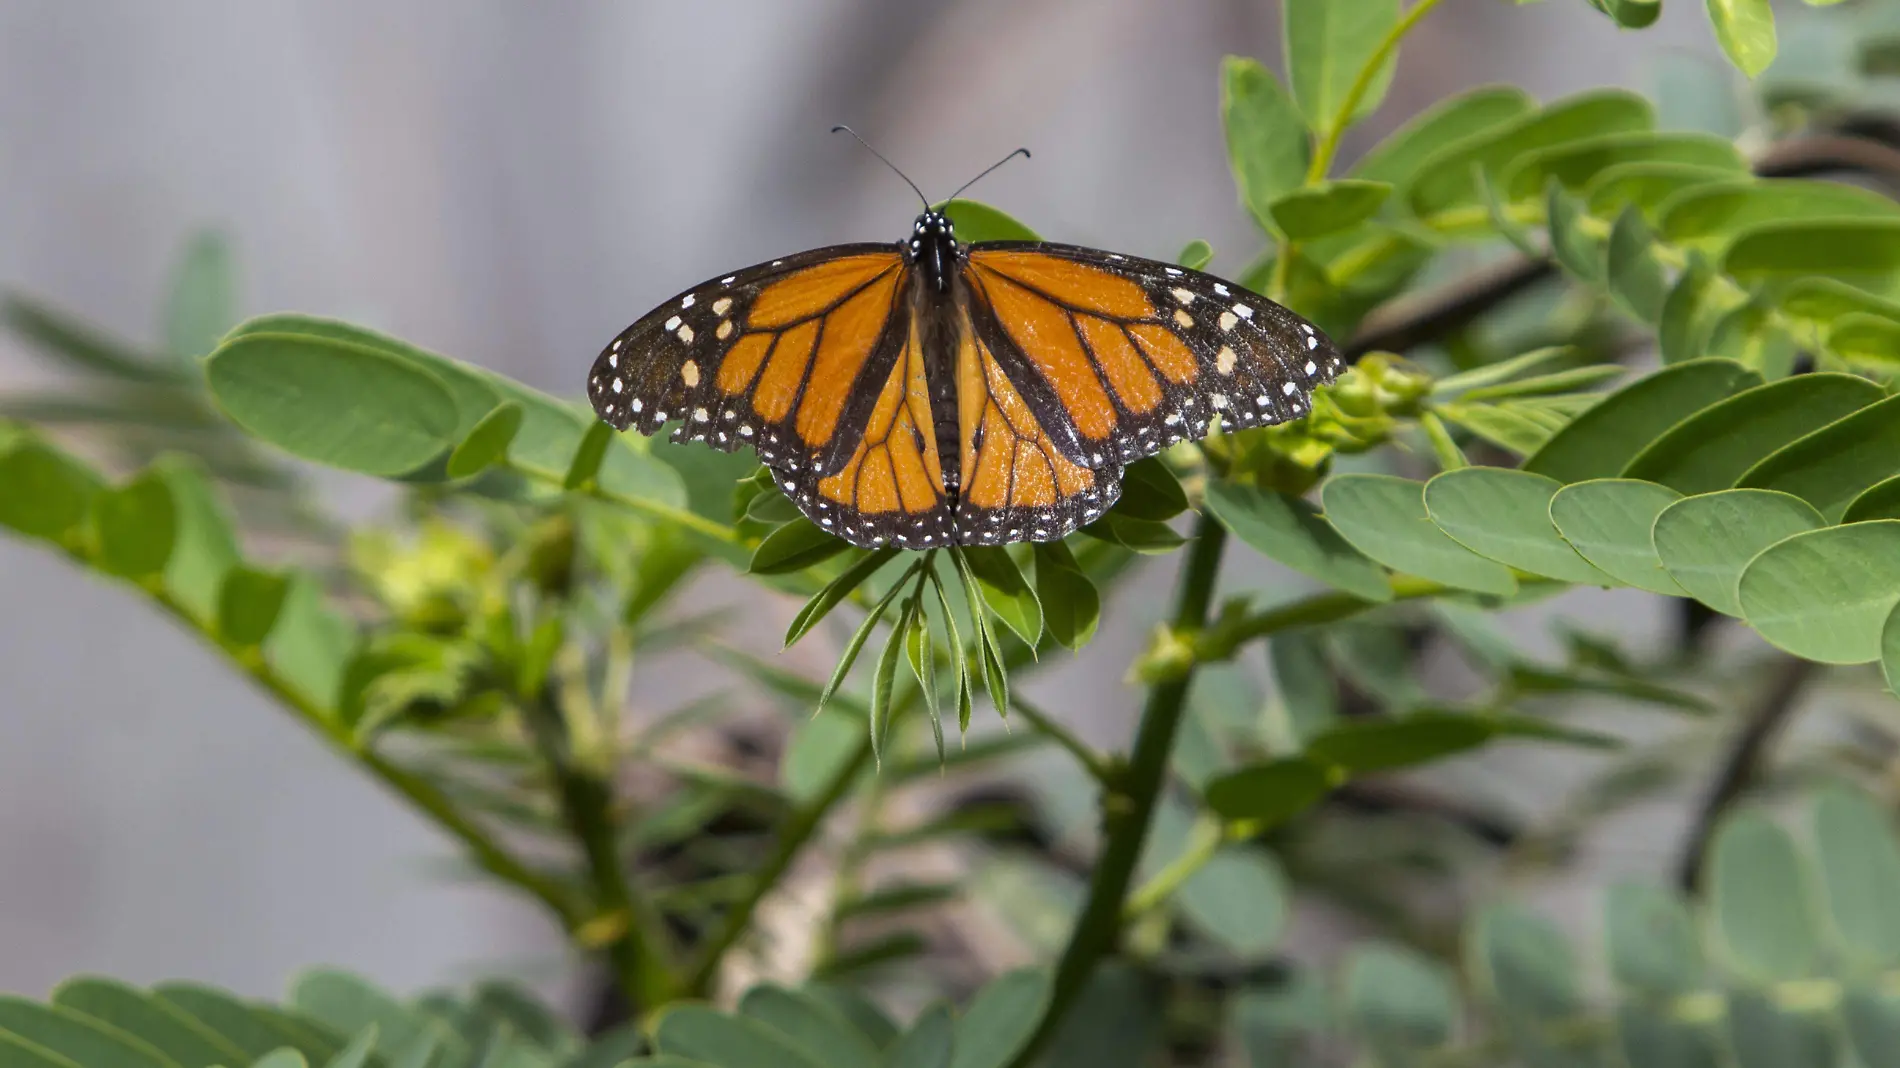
point(770, 357)
point(1081, 361)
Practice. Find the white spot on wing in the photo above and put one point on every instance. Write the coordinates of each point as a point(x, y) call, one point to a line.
point(1224, 360)
point(1227, 320)
point(689, 373)
point(1243, 311)
point(687, 302)
point(1182, 317)
point(1182, 295)
point(686, 333)
point(720, 305)
point(673, 323)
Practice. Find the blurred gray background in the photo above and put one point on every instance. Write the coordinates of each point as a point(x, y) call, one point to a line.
point(512, 183)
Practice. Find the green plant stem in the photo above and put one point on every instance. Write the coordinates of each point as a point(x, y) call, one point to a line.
point(489, 854)
point(624, 923)
point(1328, 147)
point(1221, 644)
point(798, 830)
point(1092, 762)
point(1204, 840)
point(1128, 810)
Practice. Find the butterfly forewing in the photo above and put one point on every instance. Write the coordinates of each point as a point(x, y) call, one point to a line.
point(768, 357)
point(1140, 354)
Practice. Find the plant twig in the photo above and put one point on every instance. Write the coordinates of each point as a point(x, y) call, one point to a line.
point(1743, 763)
point(1128, 810)
point(624, 923)
point(1049, 727)
point(797, 831)
point(1204, 840)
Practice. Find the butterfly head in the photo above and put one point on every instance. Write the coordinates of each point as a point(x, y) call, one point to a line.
point(933, 248)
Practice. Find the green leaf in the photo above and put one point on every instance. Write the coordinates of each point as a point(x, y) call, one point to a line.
point(1575, 164)
point(357, 1054)
point(47, 493)
point(1396, 159)
point(290, 1058)
point(1600, 442)
point(884, 681)
point(1653, 948)
point(1863, 253)
point(1386, 742)
point(700, 1033)
point(1632, 14)
point(1831, 466)
point(249, 603)
point(203, 302)
point(1328, 45)
point(1526, 968)
point(1647, 187)
point(1636, 276)
point(1238, 899)
point(350, 1004)
point(1873, 1025)
point(1281, 1024)
point(813, 1026)
point(173, 1033)
point(1267, 146)
point(1396, 999)
point(1384, 517)
point(860, 1010)
point(1329, 207)
point(1697, 301)
point(1608, 522)
point(1571, 245)
point(1270, 793)
point(1746, 29)
point(1196, 255)
point(794, 547)
point(1491, 374)
point(772, 509)
point(1071, 606)
point(78, 1038)
point(487, 444)
point(1860, 871)
point(250, 1028)
point(1001, 1019)
point(1150, 491)
point(1871, 341)
point(1577, 378)
point(1713, 448)
point(1758, 899)
point(975, 221)
point(1750, 336)
point(819, 749)
point(1505, 222)
point(311, 645)
point(1505, 515)
point(1890, 651)
point(928, 1043)
point(1303, 678)
point(1765, 1034)
point(1005, 591)
point(57, 334)
point(1445, 194)
point(1290, 531)
point(1825, 594)
point(205, 545)
point(588, 456)
point(338, 404)
point(135, 527)
point(1115, 1022)
point(1704, 542)
point(1879, 501)
point(835, 592)
point(1710, 217)
point(1141, 535)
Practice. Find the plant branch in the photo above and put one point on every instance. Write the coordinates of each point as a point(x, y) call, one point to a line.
point(1049, 727)
point(489, 854)
point(799, 828)
point(1204, 840)
point(1223, 641)
point(1739, 770)
point(1127, 811)
point(624, 923)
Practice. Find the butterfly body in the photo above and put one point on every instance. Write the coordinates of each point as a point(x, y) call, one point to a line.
point(930, 393)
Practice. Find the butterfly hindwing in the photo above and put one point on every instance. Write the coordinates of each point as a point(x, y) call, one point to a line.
point(888, 488)
point(1120, 357)
point(770, 357)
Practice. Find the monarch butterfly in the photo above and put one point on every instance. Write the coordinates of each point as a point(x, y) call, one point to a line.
point(928, 393)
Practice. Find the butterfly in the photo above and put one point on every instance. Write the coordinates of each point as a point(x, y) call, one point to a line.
point(929, 393)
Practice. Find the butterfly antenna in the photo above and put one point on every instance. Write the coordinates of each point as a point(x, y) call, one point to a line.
point(887, 163)
point(1023, 152)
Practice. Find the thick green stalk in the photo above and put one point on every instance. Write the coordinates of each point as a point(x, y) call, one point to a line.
point(1128, 810)
point(626, 925)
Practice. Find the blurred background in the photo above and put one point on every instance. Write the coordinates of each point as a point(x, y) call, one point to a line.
point(511, 184)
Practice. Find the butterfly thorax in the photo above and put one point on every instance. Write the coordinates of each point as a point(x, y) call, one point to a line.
point(936, 260)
